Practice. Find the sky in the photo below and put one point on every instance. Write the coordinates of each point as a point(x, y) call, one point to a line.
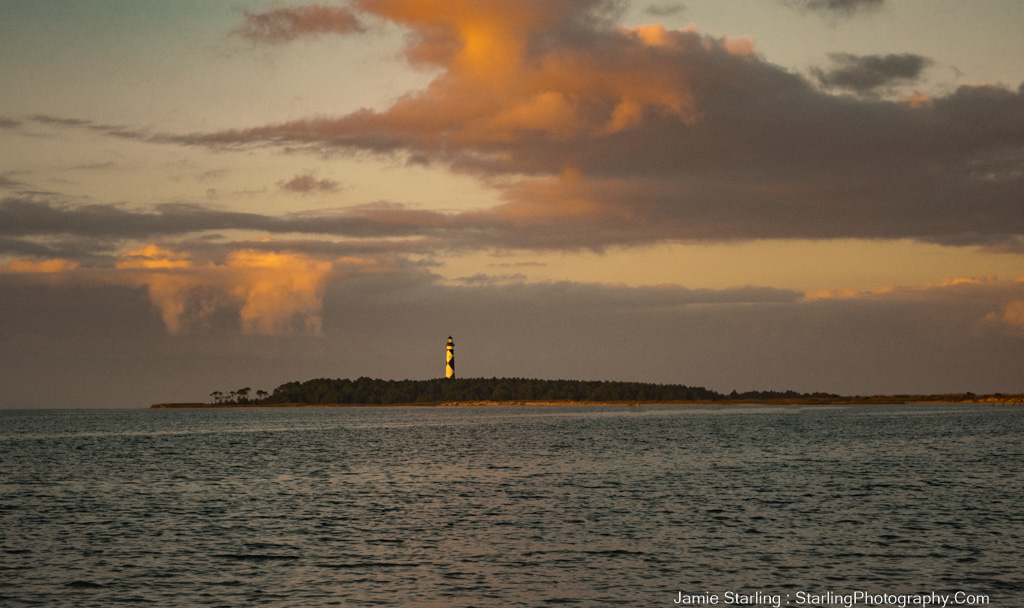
point(810, 195)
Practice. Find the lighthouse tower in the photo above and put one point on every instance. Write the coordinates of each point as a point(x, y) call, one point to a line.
point(449, 368)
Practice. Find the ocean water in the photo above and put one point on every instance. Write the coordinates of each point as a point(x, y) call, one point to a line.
point(513, 506)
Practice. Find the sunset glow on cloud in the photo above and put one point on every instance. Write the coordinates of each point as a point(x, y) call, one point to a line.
point(1013, 315)
point(658, 125)
point(31, 266)
point(511, 72)
point(274, 293)
point(358, 171)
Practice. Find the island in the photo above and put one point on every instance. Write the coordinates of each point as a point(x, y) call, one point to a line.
point(368, 392)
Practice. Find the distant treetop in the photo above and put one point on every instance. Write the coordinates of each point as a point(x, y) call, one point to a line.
point(385, 392)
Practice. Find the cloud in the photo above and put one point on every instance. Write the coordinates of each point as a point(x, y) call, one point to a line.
point(665, 9)
point(61, 122)
point(30, 216)
point(837, 7)
point(1012, 315)
point(94, 166)
point(23, 247)
point(152, 257)
point(490, 279)
point(8, 183)
point(307, 184)
point(392, 324)
point(1006, 246)
point(281, 292)
point(89, 229)
point(596, 134)
point(869, 73)
point(517, 264)
point(930, 340)
point(8, 123)
point(902, 291)
point(274, 293)
point(119, 131)
point(286, 24)
point(555, 69)
point(1003, 299)
point(84, 249)
point(35, 266)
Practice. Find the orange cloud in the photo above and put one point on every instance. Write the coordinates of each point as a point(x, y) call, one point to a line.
point(281, 293)
point(181, 298)
point(510, 70)
point(835, 294)
point(850, 294)
point(917, 100)
point(959, 281)
point(1012, 315)
point(30, 266)
point(153, 257)
point(276, 293)
point(472, 34)
point(534, 201)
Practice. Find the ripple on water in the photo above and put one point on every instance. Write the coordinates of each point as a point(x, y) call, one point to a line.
point(504, 506)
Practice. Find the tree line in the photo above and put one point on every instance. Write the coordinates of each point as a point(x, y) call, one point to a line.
point(388, 392)
point(240, 396)
point(385, 392)
point(371, 391)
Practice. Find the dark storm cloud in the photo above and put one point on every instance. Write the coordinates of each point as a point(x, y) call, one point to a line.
point(867, 73)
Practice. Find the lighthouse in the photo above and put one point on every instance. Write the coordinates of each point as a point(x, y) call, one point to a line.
point(449, 368)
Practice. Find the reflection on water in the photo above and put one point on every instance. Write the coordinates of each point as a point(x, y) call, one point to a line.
point(583, 506)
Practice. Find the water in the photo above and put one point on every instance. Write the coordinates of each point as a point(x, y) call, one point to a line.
point(528, 506)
